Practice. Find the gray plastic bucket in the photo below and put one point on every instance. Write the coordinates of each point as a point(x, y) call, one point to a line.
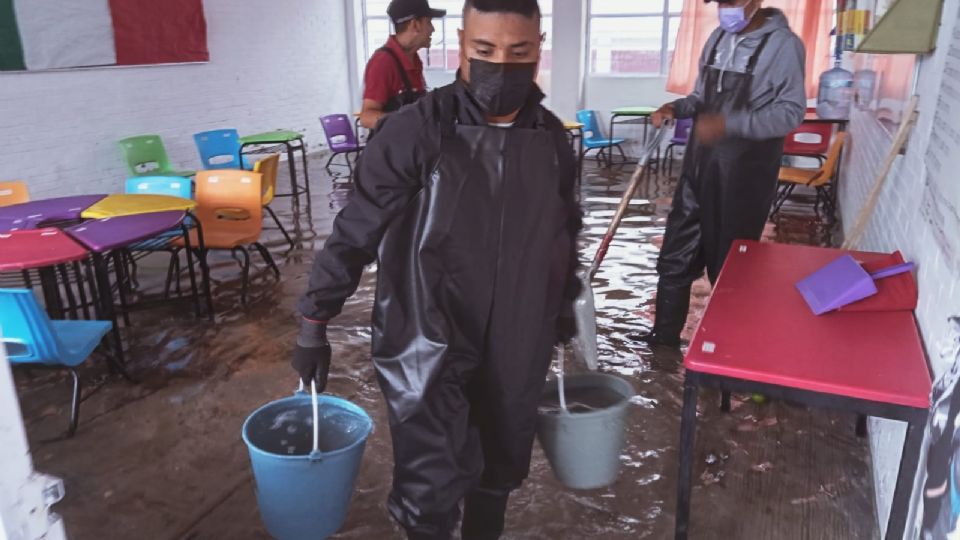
point(584, 448)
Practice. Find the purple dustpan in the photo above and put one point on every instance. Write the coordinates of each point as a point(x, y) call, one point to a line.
point(843, 282)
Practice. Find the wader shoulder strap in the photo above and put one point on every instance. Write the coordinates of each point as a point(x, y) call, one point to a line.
point(407, 85)
point(713, 52)
point(752, 63)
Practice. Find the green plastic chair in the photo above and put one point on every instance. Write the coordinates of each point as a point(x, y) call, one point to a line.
point(146, 156)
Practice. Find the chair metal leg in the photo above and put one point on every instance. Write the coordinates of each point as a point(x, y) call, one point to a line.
point(688, 429)
point(75, 403)
point(861, 425)
point(725, 401)
point(265, 253)
point(622, 155)
point(279, 225)
point(132, 273)
point(244, 262)
point(118, 272)
point(329, 162)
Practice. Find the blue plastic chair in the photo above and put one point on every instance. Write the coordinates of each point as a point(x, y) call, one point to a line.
point(593, 138)
point(220, 149)
point(31, 338)
point(174, 186)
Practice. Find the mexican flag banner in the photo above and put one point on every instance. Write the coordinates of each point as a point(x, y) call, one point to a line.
point(53, 34)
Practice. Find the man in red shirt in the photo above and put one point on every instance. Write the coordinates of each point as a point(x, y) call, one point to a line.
point(394, 75)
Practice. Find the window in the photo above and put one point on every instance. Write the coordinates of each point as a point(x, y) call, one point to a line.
point(633, 37)
point(444, 55)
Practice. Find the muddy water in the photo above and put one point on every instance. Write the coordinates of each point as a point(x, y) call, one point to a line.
point(163, 459)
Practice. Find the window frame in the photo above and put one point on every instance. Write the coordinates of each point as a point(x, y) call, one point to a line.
point(367, 51)
point(666, 16)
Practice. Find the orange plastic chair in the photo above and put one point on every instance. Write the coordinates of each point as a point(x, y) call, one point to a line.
point(268, 167)
point(13, 192)
point(821, 179)
point(230, 210)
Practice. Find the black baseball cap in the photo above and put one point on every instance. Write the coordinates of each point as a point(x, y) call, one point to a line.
point(401, 11)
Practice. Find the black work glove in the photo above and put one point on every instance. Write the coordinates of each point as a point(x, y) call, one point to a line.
point(311, 357)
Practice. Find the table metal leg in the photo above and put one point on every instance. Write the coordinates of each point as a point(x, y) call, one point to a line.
point(688, 429)
point(909, 461)
point(725, 401)
point(105, 297)
point(51, 292)
point(306, 174)
point(613, 116)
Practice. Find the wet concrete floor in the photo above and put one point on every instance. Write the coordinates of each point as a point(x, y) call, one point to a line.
point(163, 459)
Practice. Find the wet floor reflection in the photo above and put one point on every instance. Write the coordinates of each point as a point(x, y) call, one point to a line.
point(164, 459)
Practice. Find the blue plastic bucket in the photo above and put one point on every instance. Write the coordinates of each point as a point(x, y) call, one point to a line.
point(303, 496)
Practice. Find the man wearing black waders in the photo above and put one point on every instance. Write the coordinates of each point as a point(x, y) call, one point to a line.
point(748, 97)
point(466, 201)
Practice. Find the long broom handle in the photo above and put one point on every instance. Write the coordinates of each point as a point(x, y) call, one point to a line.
point(625, 202)
point(870, 205)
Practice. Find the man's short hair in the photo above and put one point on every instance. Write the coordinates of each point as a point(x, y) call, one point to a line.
point(402, 27)
point(527, 8)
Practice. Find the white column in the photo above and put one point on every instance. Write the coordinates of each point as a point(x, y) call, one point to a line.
point(25, 495)
point(569, 31)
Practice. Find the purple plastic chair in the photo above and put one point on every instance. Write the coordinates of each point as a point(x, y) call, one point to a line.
point(341, 139)
point(681, 135)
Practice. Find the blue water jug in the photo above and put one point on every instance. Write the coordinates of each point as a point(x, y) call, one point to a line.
point(835, 95)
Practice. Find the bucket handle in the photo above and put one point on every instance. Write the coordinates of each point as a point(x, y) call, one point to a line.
point(316, 454)
point(560, 386)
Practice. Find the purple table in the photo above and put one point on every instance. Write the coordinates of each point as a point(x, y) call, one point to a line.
point(110, 235)
point(30, 215)
point(102, 235)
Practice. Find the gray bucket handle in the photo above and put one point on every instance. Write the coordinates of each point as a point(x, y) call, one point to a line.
point(316, 454)
point(560, 387)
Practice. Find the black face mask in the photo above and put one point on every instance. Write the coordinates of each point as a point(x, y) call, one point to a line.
point(500, 89)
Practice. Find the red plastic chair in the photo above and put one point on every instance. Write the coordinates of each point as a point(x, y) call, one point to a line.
point(811, 139)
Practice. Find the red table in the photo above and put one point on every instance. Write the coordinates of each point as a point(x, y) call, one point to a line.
point(759, 336)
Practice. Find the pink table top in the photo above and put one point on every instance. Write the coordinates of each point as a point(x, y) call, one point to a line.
point(757, 327)
point(37, 248)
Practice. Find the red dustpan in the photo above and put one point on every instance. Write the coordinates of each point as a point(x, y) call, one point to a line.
point(843, 282)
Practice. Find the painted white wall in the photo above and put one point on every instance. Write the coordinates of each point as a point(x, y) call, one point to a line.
point(23, 508)
point(272, 66)
point(899, 224)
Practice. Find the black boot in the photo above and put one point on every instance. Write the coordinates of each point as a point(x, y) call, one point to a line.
point(484, 511)
point(673, 303)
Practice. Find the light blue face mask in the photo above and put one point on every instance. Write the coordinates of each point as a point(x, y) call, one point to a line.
point(734, 19)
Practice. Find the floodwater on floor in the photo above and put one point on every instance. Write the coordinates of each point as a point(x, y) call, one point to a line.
point(163, 459)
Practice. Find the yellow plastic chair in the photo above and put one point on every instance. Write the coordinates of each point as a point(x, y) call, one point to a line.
point(822, 179)
point(13, 192)
point(230, 210)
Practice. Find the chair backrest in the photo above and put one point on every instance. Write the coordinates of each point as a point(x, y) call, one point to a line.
point(219, 149)
point(268, 168)
point(229, 189)
point(681, 130)
point(811, 138)
point(833, 160)
point(175, 186)
point(144, 154)
point(339, 132)
point(591, 127)
point(13, 192)
point(25, 329)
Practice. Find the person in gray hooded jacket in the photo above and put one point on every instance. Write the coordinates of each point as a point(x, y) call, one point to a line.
point(749, 95)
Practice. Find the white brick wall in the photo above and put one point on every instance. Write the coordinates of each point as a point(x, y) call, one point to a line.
point(272, 65)
point(899, 224)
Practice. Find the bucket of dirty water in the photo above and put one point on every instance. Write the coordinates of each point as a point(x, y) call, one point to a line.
point(583, 442)
point(304, 493)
